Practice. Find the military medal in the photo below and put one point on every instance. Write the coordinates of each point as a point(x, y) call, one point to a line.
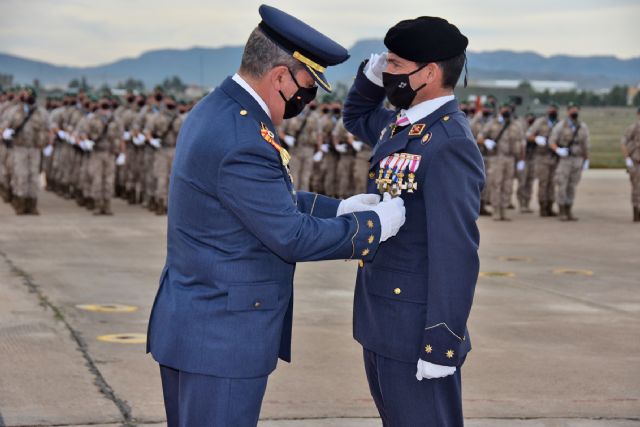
point(382, 182)
point(284, 154)
point(414, 164)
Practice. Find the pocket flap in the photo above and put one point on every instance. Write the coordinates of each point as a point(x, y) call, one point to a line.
point(398, 285)
point(252, 297)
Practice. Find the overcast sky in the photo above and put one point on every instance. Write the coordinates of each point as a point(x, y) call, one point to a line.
point(82, 32)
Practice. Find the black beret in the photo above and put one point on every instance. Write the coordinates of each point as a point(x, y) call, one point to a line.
point(425, 39)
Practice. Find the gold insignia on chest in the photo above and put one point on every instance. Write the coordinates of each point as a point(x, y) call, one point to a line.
point(392, 172)
point(426, 138)
point(416, 130)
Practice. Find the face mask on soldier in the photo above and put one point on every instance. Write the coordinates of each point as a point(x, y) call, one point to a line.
point(574, 115)
point(553, 115)
point(398, 88)
point(294, 105)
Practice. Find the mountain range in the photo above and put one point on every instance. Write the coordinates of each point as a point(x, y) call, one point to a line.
point(209, 66)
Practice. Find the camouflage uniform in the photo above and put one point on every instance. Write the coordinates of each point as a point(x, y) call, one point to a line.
point(346, 161)
point(165, 126)
point(148, 178)
point(477, 123)
point(527, 175)
point(361, 169)
point(631, 142)
point(502, 162)
point(127, 118)
point(569, 169)
point(56, 124)
point(329, 163)
point(6, 156)
point(27, 145)
point(546, 162)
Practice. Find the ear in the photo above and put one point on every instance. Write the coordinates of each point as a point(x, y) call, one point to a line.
point(277, 76)
point(434, 73)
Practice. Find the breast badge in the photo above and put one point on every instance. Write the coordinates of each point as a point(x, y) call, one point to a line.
point(393, 170)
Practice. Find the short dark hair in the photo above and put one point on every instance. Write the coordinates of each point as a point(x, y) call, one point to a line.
point(451, 70)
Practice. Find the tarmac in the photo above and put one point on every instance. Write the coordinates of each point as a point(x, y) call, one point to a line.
point(554, 326)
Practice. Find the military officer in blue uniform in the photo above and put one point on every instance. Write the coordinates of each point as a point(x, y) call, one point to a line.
point(412, 301)
point(236, 228)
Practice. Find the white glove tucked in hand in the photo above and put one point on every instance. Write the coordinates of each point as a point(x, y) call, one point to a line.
point(62, 135)
point(374, 68)
point(585, 165)
point(47, 151)
point(562, 151)
point(289, 140)
point(341, 148)
point(357, 145)
point(139, 139)
point(358, 203)
point(317, 157)
point(88, 144)
point(121, 159)
point(541, 140)
point(155, 142)
point(490, 144)
point(126, 136)
point(520, 165)
point(629, 162)
point(431, 370)
point(392, 216)
point(324, 148)
point(7, 134)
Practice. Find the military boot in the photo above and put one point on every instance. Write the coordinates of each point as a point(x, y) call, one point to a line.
point(106, 207)
point(503, 215)
point(90, 204)
point(636, 214)
point(6, 194)
point(32, 206)
point(483, 209)
point(19, 205)
point(152, 206)
point(524, 207)
point(570, 216)
point(543, 209)
point(550, 210)
point(562, 216)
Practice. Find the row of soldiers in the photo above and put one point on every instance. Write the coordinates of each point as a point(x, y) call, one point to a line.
point(89, 148)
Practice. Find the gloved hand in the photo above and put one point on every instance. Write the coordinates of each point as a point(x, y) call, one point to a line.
point(47, 151)
point(289, 140)
point(374, 68)
point(431, 370)
point(541, 140)
point(126, 136)
point(357, 145)
point(62, 135)
point(585, 165)
point(490, 144)
point(324, 148)
point(520, 165)
point(139, 139)
point(87, 145)
point(7, 134)
point(392, 215)
point(358, 203)
point(121, 159)
point(629, 162)
point(341, 148)
point(317, 157)
point(562, 151)
point(155, 142)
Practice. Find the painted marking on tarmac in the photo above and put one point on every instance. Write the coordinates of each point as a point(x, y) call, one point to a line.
point(108, 308)
point(573, 272)
point(497, 274)
point(515, 258)
point(132, 338)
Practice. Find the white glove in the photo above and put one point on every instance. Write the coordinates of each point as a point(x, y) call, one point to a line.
point(629, 162)
point(520, 165)
point(47, 151)
point(541, 140)
point(358, 203)
point(374, 68)
point(121, 159)
point(324, 148)
point(317, 157)
point(357, 145)
point(155, 142)
point(392, 216)
point(490, 144)
point(7, 134)
point(431, 370)
point(139, 139)
point(562, 151)
point(62, 135)
point(585, 165)
point(341, 148)
point(126, 136)
point(88, 144)
point(289, 140)
point(69, 138)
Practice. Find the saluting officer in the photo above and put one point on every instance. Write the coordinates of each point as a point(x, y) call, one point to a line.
point(413, 299)
point(222, 315)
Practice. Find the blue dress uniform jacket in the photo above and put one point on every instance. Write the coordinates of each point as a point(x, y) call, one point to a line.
point(413, 300)
point(236, 228)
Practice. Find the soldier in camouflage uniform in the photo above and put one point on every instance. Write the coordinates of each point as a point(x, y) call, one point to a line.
point(526, 175)
point(135, 152)
point(504, 140)
point(361, 166)
point(343, 142)
point(164, 128)
point(154, 102)
point(478, 122)
point(570, 141)
point(317, 174)
point(26, 128)
point(6, 153)
point(329, 163)
point(631, 151)
point(545, 159)
point(306, 145)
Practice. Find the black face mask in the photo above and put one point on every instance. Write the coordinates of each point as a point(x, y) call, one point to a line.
point(130, 100)
point(574, 116)
point(336, 111)
point(171, 107)
point(140, 103)
point(312, 108)
point(398, 88)
point(486, 113)
point(294, 105)
point(553, 115)
point(158, 97)
point(325, 110)
point(105, 106)
point(29, 100)
point(506, 114)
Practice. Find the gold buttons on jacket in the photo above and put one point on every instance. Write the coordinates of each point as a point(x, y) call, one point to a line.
point(428, 349)
point(372, 175)
point(371, 239)
point(365, 252)
point(445, 118)
point(243, 112)
point(370, 223)
point(449, 354)
point(361, 263)
point(397, 291)
point(257, 304)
